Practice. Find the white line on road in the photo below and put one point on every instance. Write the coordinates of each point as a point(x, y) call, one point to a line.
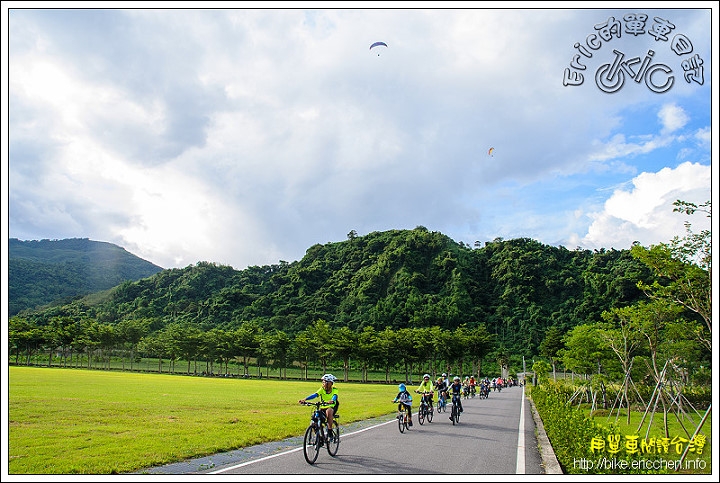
point(223, 470)
point(520, 464)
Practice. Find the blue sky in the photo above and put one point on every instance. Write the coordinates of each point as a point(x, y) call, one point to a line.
point(244, 136)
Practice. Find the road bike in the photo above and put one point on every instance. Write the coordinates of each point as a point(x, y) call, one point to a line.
point(455, 409)
point(403, 416)
point(426, 409)
point(318, 435)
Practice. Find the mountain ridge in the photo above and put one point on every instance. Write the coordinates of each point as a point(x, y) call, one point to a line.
point(42, 272)
point(393, 279)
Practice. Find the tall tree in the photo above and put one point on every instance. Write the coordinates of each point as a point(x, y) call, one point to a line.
point(585, 351)
point(684, 268)
point(551, 345)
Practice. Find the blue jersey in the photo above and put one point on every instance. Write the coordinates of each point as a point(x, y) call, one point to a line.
point(404, 397)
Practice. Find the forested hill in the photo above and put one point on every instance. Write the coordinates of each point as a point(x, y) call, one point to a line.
point(45, 271)
point(397, 278)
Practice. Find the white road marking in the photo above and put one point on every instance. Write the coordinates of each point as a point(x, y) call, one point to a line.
point(520, 464)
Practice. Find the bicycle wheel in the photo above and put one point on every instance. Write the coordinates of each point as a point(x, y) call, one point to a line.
point(332, 447)
point(457, 415)
point(311, 445)
point(430, 413)
point(401, 421)
point(421, 414)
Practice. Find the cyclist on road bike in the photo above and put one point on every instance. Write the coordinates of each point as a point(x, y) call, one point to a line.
point(404, 400)
point(455, 390)
point(328, 395)
point(426, 386)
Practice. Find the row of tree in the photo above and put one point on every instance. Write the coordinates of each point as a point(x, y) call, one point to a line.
point(433, 349)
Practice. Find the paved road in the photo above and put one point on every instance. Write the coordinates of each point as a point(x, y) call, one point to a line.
point(494, 436)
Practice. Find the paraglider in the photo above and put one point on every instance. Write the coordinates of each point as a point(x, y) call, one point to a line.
point(378, 44)
point(491, 151)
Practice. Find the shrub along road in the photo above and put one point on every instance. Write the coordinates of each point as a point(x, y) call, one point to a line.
point(494, 436)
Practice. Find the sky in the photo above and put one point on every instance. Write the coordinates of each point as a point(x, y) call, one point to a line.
point(243, 136)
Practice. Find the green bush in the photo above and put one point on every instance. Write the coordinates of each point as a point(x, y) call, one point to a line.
point(584, 446)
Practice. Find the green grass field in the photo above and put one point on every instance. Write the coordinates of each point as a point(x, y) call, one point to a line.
point(116, 422)
point(77, 421)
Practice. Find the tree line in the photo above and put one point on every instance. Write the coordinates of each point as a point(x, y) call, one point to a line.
point(459, 351)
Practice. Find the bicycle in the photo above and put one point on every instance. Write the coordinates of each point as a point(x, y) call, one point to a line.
point(455, 410)
point(317, 434)
point(441, 402)
point(403, 416)
point(426, 410)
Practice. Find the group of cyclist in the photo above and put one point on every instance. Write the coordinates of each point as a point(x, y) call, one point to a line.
point(427, 388)
point(446, 388)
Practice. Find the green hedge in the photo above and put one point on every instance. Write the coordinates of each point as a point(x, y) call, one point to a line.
point(573, 435)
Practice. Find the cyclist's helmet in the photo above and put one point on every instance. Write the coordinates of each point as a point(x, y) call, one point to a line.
point(328, 377)
point(456, 378)
point(401, 387)
point(444, 374)
point(426, 376)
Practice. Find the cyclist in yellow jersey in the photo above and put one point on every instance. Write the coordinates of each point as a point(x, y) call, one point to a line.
point(328, 394)
point(427, 386)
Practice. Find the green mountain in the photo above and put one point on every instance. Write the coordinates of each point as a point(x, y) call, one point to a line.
point(46, 271)
point(397, 279)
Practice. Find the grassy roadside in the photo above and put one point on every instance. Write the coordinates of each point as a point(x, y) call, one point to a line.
point(121, 422)
point(600, 442)
point(649, 426)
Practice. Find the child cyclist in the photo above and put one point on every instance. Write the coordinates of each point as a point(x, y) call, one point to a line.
point(441, 386)
point(404, 400)
point(455, 390)
point(426, 386)
point(329, 396)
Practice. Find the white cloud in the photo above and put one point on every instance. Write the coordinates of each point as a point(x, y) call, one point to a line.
point(245, 136)
point(645, 213)
point(672, 117)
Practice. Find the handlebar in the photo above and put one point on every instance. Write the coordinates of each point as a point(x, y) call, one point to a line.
point(316, 404)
